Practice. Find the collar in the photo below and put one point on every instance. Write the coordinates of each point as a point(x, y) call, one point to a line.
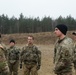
point(60, 40)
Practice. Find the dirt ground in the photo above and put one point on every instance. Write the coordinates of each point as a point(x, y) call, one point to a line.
point(47, 60)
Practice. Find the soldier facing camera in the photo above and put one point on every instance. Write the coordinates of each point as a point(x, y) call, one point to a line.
point(31, 57)
point(13, 57)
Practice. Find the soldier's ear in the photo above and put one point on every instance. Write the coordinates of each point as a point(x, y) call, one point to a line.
point(74, 33)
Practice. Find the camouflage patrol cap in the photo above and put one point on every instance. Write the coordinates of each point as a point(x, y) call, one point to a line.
point(12, 40)
point(74, 33)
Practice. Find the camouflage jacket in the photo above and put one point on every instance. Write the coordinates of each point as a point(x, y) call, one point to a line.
point(13, 54)
point(63, 52)
point(31, 54)
point(3, 61)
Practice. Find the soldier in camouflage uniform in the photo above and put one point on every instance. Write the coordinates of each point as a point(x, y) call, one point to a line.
point(63, 51)
point(13, 58)
point(31, 57)
point(4, 69)
point(74, 59)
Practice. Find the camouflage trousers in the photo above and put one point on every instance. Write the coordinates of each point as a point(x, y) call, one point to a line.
point(30, 69)
point(3, 73)
point(75, 67)
point(75, 70)
point(13, 68)
point(5, 70)
point(68, 73)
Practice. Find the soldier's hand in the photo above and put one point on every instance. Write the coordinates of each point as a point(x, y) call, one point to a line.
point(38, 67)
point(1, 46)
point(20, 66)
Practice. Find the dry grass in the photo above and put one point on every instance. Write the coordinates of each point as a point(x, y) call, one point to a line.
point(40, 38)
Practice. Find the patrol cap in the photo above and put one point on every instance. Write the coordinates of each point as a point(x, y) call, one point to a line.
point(74, 33)
point(12, 40)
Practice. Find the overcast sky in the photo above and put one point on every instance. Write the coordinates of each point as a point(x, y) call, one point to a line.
point(41, 8)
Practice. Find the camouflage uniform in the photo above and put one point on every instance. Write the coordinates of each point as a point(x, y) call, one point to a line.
point(74, 53)
point(74, 58)
point(31, 57)
point(4, 69)
point(63, 52)
point(13, 59)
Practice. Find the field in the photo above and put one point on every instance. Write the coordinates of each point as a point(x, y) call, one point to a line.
point(45, 42)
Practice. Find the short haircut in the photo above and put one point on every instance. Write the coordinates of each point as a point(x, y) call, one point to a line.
point(31, 36)
point(12, 40)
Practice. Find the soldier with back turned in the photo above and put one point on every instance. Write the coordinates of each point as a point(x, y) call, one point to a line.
point(74, 54)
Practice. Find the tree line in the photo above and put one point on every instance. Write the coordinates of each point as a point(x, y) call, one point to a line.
point(33, 25)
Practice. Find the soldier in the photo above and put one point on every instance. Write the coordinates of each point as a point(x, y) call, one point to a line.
point(13, 57)
point(4, 69)
point(31, 57)
point(74, 59)
point(63, 51)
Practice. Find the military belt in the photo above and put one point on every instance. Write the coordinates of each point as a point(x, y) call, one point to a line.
point(30, 61)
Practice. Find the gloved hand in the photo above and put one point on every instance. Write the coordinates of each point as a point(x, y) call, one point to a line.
point(20, 66)
point(38, 67)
